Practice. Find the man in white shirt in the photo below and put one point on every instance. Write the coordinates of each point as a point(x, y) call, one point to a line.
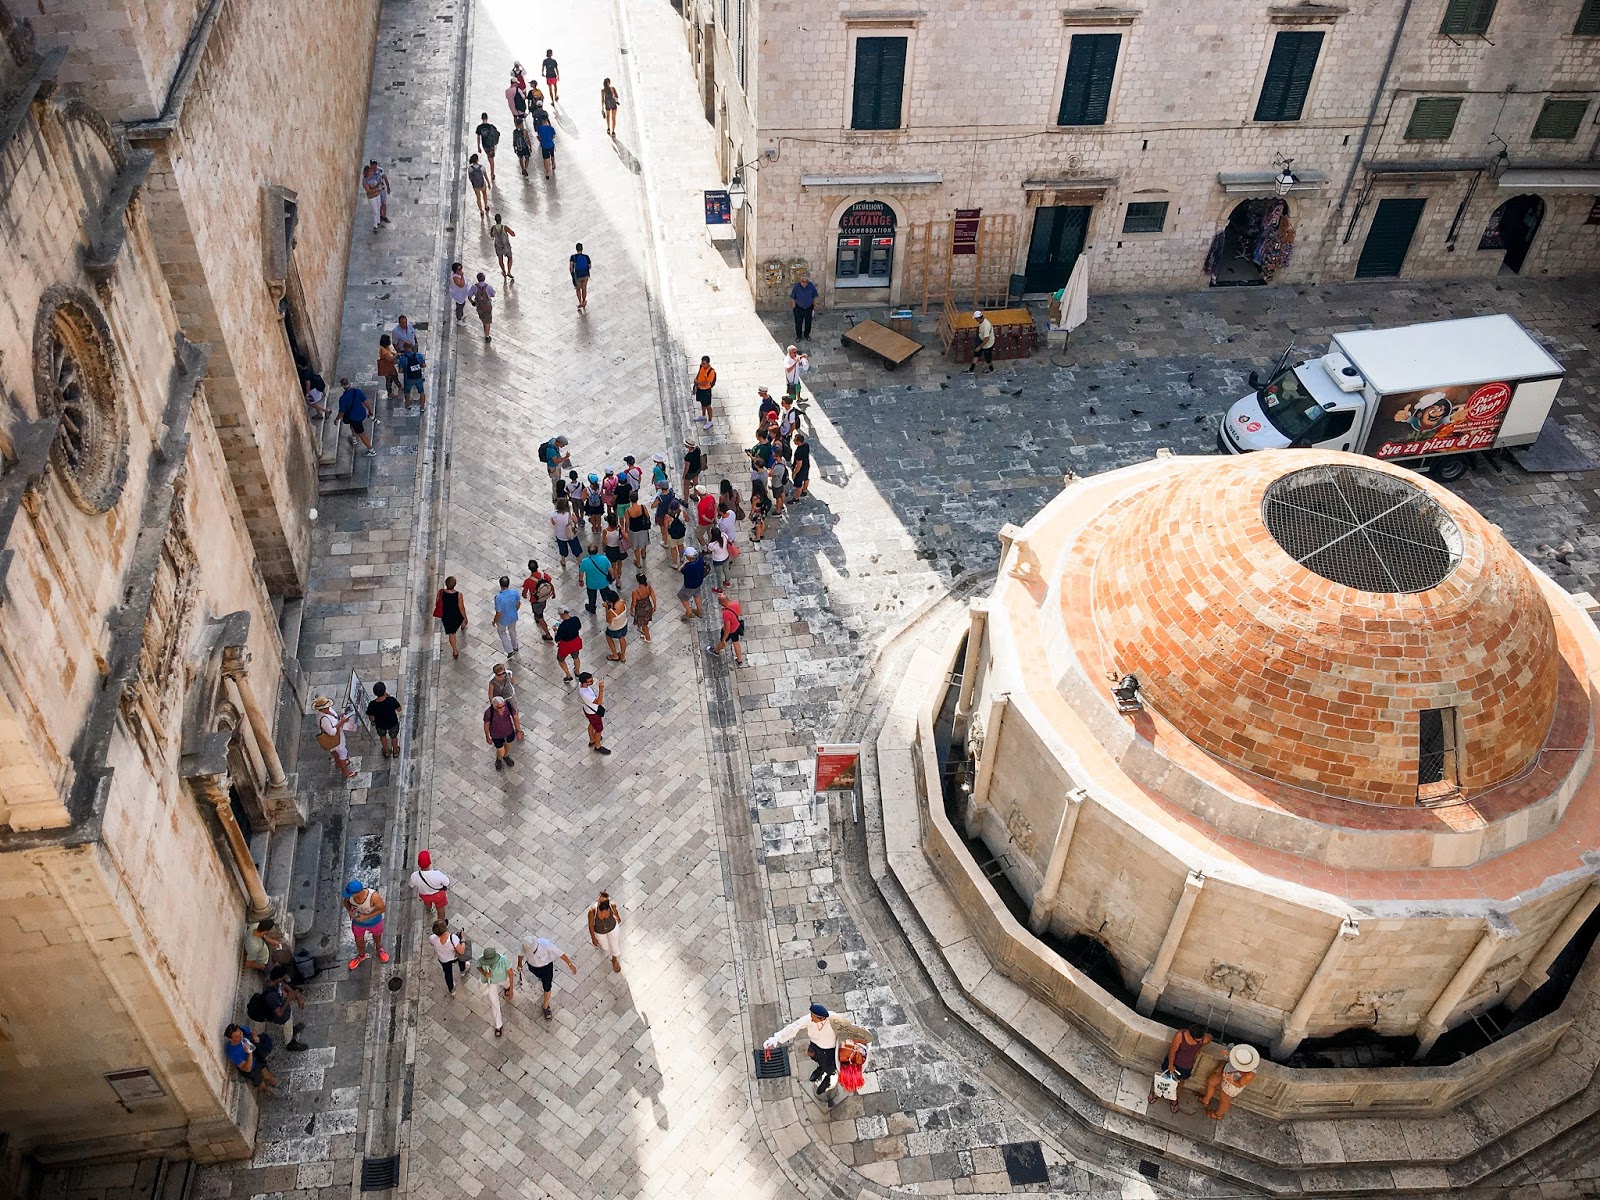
point(824, 1032)
point(795, 365)
point(539, 955)
point(984, 347)
point(430, 885)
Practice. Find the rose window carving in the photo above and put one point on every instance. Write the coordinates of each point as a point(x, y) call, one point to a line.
point(77, 385)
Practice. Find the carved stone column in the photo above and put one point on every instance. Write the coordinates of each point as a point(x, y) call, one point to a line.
point(1498, 929)
point(280, 797)
point(213, 790)
point(1537, 972)
point(1294, 1029)
point(978, 802)
point(1044, 901)
point(1155, 979)
point(978, 625)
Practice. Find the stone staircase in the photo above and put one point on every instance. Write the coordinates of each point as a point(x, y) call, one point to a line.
point(342, 466)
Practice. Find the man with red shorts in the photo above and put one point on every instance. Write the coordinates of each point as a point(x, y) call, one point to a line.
point(431, 886)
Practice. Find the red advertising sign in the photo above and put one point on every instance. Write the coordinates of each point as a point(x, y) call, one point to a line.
point(837, 766)
point(964, 238)
point(1444, 420)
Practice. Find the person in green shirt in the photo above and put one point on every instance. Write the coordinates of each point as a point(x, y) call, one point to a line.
point(495, 968)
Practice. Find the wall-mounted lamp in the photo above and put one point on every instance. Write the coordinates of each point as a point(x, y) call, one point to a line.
point(1286, 178)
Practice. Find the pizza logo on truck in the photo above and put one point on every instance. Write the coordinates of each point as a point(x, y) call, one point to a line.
point(1488, 402)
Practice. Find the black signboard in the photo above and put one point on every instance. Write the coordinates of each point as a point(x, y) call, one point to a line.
point(868, 215)
point(719, 208)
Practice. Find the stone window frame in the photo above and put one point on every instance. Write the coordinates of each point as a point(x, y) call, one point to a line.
point(1164, 199)
point(71, 328)
point(858, 26)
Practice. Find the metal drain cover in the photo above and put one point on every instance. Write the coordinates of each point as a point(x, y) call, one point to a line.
point(776, 1067)
point(1025, 1163)
point(380, 1174)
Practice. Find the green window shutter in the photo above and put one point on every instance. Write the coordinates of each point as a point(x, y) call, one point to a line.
point(1467, 16)
point(1433, 119)
point(1145, 216)
point(1559, 120)
point(1588, 20)
point(1289, 71)
point(741, 44)
point(1091, 68)
point(880, 80)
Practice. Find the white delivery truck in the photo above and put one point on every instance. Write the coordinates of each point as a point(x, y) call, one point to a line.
point(1426, 396)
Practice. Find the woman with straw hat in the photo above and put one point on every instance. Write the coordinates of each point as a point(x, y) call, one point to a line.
point(330, 733)
point(1228, 1080)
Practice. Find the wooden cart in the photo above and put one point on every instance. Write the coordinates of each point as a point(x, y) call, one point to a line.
point(888, 345)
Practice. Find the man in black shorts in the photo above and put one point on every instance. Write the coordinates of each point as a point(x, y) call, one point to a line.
point(353, 411)
point(383, 710)
point(488, 139)
point(694, 461)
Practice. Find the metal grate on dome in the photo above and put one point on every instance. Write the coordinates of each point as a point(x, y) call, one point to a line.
point(1362, 528)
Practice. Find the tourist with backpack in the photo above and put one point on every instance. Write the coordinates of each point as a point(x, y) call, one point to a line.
point(413, 371)
point(538, 590)
point(481, 297)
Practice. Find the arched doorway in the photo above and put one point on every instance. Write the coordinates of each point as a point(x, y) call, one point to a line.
point(864, 252)
point(1512, 228)
point(1253, 246)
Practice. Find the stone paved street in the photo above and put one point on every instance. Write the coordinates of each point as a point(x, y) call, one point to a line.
point(742, 899)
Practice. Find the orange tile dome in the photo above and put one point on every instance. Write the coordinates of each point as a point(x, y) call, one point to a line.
point(1331, 622)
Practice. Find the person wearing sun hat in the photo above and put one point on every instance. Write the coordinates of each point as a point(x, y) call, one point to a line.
point(1228, 1080)
point(330, 734)
point(365, 908)
point(495, 968)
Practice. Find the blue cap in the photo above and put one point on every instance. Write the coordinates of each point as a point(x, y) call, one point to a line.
point(818, 1010)
point(354, 887)
point(594, 478)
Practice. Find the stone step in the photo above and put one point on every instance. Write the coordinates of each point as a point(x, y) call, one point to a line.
point(302, 888)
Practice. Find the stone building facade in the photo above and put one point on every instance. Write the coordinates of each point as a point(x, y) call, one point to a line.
point(1436, 138)
point(156, 477)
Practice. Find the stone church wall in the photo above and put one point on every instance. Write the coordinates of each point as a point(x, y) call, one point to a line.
point(116, 875)
point(225, 135)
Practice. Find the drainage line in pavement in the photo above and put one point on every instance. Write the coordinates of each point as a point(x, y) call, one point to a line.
point(754, 962)
point(389, 1082)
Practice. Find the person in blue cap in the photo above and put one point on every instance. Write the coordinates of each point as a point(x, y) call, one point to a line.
point(824, 1032)
point(366, 909)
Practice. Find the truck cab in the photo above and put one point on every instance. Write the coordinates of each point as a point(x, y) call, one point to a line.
point(1315, 403)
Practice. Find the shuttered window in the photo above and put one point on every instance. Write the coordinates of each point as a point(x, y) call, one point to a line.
point(1289, 71)
point(1559, 120)
point(880, 79)
point(1433, 119)
point(1091, 66)
point(743, 53)
point(1145, 216)
point(1588, 20)
point(1467, 16)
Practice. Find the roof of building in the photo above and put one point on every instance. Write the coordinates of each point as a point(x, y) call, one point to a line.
point(1294, 613)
